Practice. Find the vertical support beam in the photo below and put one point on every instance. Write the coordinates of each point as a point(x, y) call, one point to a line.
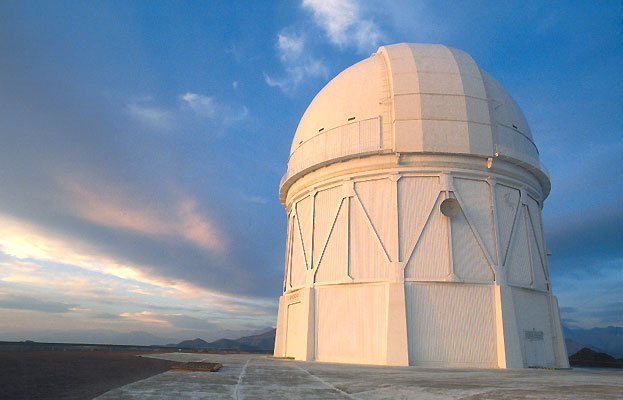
point(394, 246)
point(447, 186)
point(311, 231)
point(498, 267)
point(348, 189)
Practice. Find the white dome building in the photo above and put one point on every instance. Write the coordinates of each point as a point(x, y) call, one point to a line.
point(379, 269)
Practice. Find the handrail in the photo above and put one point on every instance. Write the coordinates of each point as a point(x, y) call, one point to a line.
point(349, 139)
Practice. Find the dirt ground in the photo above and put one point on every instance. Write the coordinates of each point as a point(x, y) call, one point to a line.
point(72, 374)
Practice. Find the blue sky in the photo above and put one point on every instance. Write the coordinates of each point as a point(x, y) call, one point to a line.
point(142, 143)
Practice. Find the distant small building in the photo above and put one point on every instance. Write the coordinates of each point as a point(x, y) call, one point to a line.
point(413, 193)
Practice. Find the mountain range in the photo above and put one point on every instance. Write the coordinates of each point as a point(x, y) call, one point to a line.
point(262, 342)
point(607, 340)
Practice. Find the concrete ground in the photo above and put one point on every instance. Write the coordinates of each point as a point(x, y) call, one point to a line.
point(246, 376)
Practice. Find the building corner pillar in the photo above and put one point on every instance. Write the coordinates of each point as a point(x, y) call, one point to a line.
point(508, 344)
point(308, 301)
point(308, 297)
point(560, 347)
point(280, 339)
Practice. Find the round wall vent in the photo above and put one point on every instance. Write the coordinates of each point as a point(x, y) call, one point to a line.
point(450, 207)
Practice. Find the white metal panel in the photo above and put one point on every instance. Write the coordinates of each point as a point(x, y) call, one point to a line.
point(533, 313)
point(350, 323)
point(296, 331)
point(305, 218)
point(514, 144)
point(327, 204)
point(333, 264)
point(467, 255)
point(476, 196)
point(367, 258)
point(416, 196)
point(430, 260)
point(538, 269)
point(353, 93)
point(350, 138)
point(297, 274)
point(445, 136)
point(450, 323)
point(288, 267)
point(503, 108)
point(506, 203)
point(518, 262)
point(538, 246)
point(379, 204)
point(535, 216)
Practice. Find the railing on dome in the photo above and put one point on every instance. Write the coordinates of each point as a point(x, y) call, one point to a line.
point(515, 144)
point(340, 142)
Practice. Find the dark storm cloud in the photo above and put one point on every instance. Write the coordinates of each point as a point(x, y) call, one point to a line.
point(610, 311)
point(29, 303)
point(588, 235)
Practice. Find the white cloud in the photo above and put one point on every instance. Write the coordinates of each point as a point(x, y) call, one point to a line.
point(146, 113)
point(289, 46)
point(209, 107)
point(344, 24)
point(297, 64)
point(202, 105)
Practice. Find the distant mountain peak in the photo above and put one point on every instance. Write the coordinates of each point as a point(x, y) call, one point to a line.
point(261, 342)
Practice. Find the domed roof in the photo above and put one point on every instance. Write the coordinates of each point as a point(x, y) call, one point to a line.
point(413, 98)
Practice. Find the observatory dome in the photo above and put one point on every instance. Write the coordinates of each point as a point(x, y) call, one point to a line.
point(413, 194)
point(413, 98)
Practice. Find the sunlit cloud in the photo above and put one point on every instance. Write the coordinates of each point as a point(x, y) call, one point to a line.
point(114, 285)
point(113, 207)
point(23, 240)
point(145, 316)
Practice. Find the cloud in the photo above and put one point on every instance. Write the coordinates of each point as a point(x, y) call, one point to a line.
point(289, 46)
point(177, 321)
point(344, 24)
point(110, 205)
point(202, 105)
point(26, 241)
point(106, 316)
point(297, 62)
point(591, 235)
point(86, 275)
point(30, 303)
point(256, 200)
point(209, 107)
point(143, 110)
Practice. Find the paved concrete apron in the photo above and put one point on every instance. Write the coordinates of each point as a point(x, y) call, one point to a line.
point(258, 377)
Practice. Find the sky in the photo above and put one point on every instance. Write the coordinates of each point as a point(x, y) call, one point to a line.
point(142, 144)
